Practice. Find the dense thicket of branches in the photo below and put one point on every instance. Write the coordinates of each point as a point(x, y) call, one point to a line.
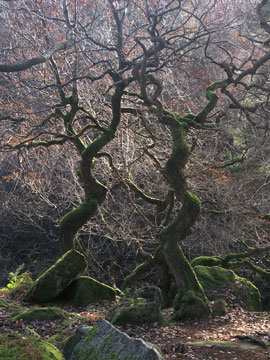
point(119, 113)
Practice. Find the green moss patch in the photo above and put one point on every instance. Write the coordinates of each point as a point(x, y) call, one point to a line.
point(216, 278)
point(191, 306)
point(207, 261)
point(59, 340)
point(41, 314)
point(139, 314)
point(19, 347)
point(56, 279)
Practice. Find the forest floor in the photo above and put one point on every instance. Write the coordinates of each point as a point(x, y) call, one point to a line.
point(175, 341)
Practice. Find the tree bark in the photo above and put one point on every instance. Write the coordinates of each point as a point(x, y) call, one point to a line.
point(95, 192)
point(190, 301)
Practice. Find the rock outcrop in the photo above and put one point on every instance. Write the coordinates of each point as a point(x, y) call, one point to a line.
point(220, 283)
point(104, 341)
point(86, 290)
point(57, 278)
point(139, 314)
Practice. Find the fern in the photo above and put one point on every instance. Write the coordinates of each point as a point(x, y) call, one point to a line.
point(15, 279)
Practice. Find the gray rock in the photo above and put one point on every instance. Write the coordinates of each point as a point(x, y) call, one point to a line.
point(104, 341)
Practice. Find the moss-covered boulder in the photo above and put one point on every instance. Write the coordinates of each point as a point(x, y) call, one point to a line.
point(139, 314)
point(220, 283)
point(41, 314)
point(207, 261)
point(104, 341)
point(190, 306)
point(86, 290)
point(57, 278)
point(16, 346)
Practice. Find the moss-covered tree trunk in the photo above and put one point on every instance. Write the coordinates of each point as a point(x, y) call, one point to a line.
point(94, 191)
point(190, 300)
point(76, 218)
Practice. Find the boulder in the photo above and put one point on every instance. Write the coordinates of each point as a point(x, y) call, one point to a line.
point(86, 290)
point(22, 346)
point(220, 283)
point(139, 314)
point(104, 341)
point(56, 279)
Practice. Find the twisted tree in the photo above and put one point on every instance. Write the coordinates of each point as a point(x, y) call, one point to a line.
point(88, 69)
